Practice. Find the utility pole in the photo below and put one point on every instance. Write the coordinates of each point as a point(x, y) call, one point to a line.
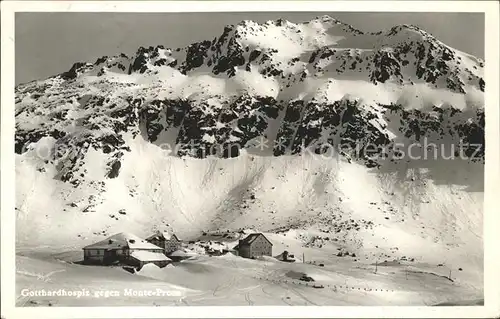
point(303, 258)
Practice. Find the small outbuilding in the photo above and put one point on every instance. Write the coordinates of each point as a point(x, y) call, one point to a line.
point(124, 249)
point(254, 245)
point(181, 254)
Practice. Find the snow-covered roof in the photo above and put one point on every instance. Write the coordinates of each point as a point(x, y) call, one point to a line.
point(122, 240)
point(163, 235)
point(144, 255)
point(250, 239)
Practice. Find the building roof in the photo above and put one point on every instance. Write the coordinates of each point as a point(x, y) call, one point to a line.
point(122, 240)
point(163, 235)
point(144, 255)
point(250, 239)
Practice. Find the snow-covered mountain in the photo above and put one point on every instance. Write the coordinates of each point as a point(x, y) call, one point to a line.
point(230, 133)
